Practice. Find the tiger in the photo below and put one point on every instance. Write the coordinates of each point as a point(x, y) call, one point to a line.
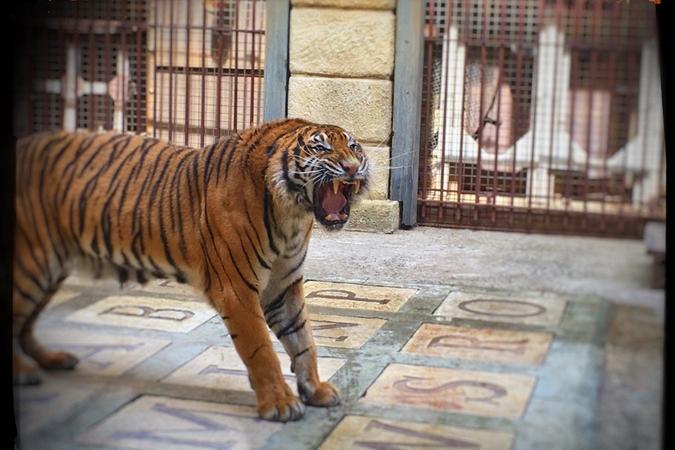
point(233, 220)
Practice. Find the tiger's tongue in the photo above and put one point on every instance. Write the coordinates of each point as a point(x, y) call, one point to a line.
point(333, 203)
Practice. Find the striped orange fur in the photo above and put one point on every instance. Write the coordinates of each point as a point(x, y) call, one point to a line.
point(233, 220)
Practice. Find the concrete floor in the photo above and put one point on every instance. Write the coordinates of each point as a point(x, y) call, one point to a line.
point(436, 338)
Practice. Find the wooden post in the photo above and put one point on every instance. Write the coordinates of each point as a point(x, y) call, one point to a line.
point(408, 67)
point(276, 59)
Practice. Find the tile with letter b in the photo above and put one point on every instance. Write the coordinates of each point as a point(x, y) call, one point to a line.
point(103, 354)
point(356, 296)
point(527, 309)
point(480, 344)
point(145, 312)
point(452, 390)
point(376, 433)
point(343, 331)
point(166, 423)
point(222, 368)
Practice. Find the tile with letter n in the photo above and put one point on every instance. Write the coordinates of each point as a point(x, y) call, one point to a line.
point(452, 390)
point(480, 344)
point(103, 354)
point(145, 312)
point(222, 368)
point(171, 424)
point(343, 331)
point(356, 296)
point(542, 309)
point(376, 433)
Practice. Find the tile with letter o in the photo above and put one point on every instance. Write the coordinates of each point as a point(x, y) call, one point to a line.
point(103, 354)
point(527, 309)
point(343, 331)
point(480, 344)
point(145, 312)
point(356, 296)
point(222, 368)
point(452, 390)
point(166, 423)
point(376, 433)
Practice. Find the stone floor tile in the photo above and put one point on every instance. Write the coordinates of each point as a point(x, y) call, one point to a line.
point(356, 296)
point(165, 423)
point(343, 331)
point(451, 390)
point(84, 280)
point(61, 296)
point(102, 354)
point(47, 403)
point(169, 287)
point(377, 433)
point(222, 368)
point(526, 309)
point(480, 344)
point(145, 312)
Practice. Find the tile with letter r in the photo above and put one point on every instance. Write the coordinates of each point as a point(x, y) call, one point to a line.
point(145, 312)
point(376, 433)
point(166, 423)
point(480, 344)
point(102, 354)
point(452, 390)
point(523, 308)
point(356, 296)
point(221, 368)
point(343, 331)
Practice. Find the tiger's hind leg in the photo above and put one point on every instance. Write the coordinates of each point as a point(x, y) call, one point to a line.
point(47, 359)
point(32, 292)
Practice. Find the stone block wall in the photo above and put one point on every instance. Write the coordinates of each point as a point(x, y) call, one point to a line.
point(341, 60)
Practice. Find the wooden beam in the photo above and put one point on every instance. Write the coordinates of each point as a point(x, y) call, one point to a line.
point(408, 70)
point(276, 59)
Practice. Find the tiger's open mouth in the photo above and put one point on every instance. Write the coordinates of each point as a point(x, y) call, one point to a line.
point(332, 202)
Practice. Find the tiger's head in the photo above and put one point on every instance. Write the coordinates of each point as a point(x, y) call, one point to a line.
point(325, 170)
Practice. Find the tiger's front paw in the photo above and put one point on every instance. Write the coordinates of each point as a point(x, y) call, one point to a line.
point(280, 406)
point(324, 394)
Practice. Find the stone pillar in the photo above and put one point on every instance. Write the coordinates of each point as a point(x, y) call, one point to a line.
point(341, 60)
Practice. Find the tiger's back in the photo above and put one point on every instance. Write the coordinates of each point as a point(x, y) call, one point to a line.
point(98, 197)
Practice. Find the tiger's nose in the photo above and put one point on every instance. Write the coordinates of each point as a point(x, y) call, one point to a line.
point(351, 167)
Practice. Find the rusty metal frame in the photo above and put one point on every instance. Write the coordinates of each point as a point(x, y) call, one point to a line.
point(147, 67)
point(566, 82)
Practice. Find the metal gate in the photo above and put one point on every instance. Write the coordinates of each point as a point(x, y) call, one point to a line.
point(188, 71)
point(541, 115)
